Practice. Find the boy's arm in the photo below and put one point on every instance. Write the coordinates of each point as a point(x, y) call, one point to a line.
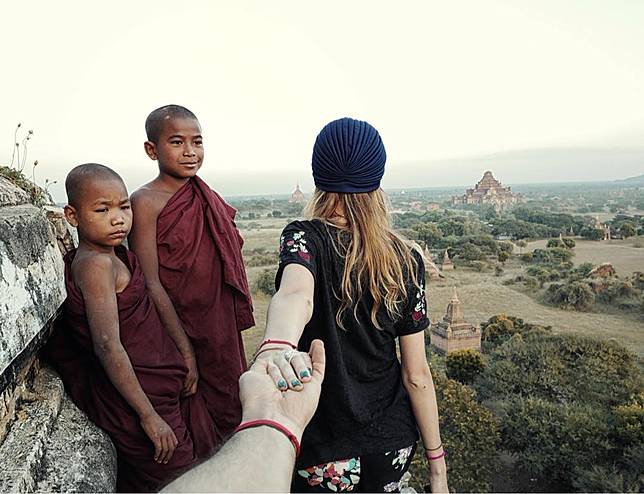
point(95, 278)
point(143, 242)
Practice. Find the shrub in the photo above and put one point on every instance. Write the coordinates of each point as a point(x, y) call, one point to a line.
point(630, 423)
point(464, 365)
point(502, 256)
point(471, 252)
point(554, 242)
point(575, 295)
point(581, 271)
point(527, 257)
point(477, 265)
point(531, 282)
point(623, 475)
point(560, 368)
point(619, 290)
point(592, 233)
point(548, 438)
point(261, 259)
point(498, 270)
point(266, 282)
point(470, 432)
point(552, 255)
point(569, 243)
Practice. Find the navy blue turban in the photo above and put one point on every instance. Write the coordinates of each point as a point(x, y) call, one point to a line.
point(348, 157)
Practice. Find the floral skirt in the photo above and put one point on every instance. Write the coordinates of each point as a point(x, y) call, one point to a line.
point(366, 473)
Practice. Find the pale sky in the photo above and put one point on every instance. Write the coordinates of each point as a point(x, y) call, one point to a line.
point(440, 80)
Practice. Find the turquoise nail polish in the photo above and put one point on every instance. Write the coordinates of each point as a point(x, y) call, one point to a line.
point(296, 382)
point(304, 373)
point(282, 384)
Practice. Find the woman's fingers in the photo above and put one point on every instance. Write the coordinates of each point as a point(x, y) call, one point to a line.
point(276, 375)
point(284, 361)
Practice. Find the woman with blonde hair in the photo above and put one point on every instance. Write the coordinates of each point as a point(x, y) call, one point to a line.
point(347, 278)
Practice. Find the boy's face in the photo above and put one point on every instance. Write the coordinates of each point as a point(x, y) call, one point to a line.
point(103, 214)
point(180, 148)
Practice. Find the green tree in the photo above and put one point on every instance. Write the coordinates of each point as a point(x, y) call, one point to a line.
point(464, 365)
point(592, 233)
point(575, 295)
point(627, 229)
point(266, 282)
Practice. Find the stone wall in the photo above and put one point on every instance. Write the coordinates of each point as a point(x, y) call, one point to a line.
point(46, 443)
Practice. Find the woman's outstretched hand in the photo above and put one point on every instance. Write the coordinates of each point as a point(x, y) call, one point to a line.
point(288, 368)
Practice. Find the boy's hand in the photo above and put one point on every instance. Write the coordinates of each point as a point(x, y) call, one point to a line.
point(190, 384)
point(161, 435)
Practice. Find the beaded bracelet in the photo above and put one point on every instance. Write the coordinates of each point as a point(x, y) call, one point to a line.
point(274, 425)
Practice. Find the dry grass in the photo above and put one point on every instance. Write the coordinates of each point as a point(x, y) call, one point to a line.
point(623, 254)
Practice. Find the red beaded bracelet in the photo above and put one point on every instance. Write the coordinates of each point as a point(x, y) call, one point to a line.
point(275, 425)
point(277, 342)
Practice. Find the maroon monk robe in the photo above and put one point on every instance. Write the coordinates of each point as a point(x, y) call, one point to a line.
point(201, 268)
point(158, 366)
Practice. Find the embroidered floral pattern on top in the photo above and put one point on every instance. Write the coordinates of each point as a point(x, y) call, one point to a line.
point(402, 455)
point(420, 309)
point(296, 244)
point(337, 476)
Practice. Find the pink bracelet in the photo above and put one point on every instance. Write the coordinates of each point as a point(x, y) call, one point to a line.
point(277, 342)
point(274, 425)
point(437, 457)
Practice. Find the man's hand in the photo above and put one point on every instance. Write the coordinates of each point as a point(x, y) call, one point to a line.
point(161, 435)
point(294, 409)
point(190, 384)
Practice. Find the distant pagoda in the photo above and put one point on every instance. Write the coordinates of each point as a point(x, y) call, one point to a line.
point(447, 265)
point(297, 196)
point(489, 191)
point(431, 270)
point(453, 332)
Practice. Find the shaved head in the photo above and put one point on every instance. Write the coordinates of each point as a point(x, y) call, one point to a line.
point(157, 119)
point(80, 176)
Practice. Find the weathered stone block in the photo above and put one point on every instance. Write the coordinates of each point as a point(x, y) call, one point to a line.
point(79, 457)
point(31, 278)
point(10, 195)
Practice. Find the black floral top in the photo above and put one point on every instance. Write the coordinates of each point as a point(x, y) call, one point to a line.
point(364, 408)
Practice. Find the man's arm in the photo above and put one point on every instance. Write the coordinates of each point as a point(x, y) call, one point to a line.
point(263, 451)
point(143, 242)
point(96, 280)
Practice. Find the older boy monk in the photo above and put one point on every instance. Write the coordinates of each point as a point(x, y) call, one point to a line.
point(117, 361)
point(190, 252)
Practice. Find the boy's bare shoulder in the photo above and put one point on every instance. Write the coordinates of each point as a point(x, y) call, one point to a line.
point(148, 200)
point(93, 269)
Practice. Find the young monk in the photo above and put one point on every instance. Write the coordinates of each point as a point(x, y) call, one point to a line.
point(117, 361)
point(190, 253)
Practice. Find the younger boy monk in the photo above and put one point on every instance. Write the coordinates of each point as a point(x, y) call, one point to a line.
point(117, 361)
point(190, 252)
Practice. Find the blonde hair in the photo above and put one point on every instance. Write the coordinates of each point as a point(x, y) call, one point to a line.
point(376, 258)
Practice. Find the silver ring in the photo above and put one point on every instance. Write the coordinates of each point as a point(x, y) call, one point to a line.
point(289, 354)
